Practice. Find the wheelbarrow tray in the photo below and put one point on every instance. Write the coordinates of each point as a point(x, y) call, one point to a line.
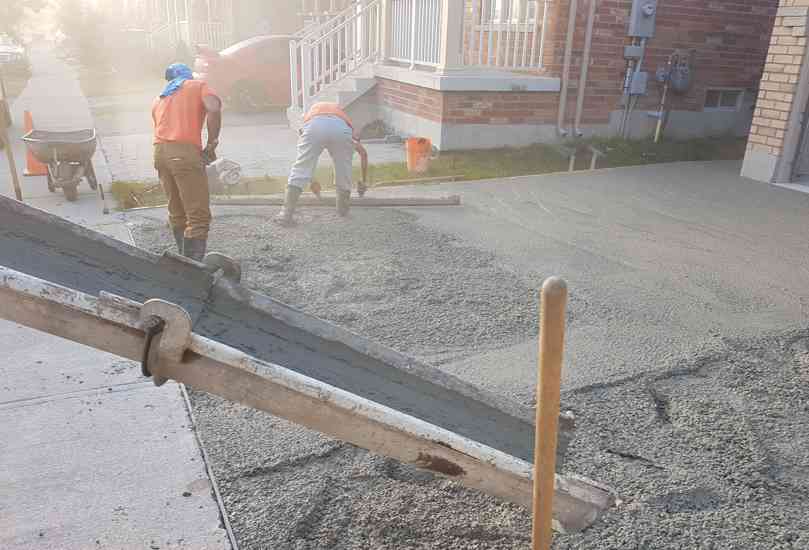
point(74, 146)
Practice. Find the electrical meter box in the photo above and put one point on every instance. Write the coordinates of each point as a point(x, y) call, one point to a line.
point(642, 18)
point(640, 83)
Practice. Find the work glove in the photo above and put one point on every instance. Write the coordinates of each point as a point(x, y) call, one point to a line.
point(361, 188)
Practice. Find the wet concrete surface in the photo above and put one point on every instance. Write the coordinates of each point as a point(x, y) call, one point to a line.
point(686, 361)
point(61, 253)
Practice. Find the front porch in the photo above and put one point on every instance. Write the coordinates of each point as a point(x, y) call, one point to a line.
point(466, 74)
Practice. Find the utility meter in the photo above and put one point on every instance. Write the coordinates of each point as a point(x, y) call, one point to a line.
point(642, 18)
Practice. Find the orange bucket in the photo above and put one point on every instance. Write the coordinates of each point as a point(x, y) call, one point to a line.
point(418, 154)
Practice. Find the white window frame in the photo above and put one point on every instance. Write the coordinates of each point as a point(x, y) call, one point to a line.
point(494, 21)
point(719, 108)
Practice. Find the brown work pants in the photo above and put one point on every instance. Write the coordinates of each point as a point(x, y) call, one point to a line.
point(182, 174)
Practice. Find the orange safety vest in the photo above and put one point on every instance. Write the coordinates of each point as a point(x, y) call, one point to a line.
point(327, 109)
point(179, 118)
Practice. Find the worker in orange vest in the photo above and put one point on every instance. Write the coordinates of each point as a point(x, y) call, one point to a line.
point(325, 126)
point(184, 106)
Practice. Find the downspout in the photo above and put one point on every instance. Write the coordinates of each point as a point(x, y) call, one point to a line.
point(571, 29)
point(585, 65)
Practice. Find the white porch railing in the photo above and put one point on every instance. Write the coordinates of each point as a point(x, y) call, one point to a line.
point(505, 33)
point(324, 22)
point(333, 50)
point(416, 29)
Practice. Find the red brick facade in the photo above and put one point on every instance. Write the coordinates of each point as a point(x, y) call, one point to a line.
point(468, 107)
point(410, 99)
point(729, 39)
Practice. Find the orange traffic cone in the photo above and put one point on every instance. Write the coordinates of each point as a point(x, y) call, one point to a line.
point(32, 166)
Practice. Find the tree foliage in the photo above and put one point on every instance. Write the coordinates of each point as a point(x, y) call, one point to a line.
point(13, 11)
point(83, 27)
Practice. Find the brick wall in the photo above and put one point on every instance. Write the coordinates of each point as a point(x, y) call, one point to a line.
point(414, 100)
point(779, 82)
point(468, 107)
point(729, 39)
point(500, 108)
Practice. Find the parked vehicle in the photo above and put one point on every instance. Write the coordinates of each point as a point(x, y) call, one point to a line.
point(252, 75)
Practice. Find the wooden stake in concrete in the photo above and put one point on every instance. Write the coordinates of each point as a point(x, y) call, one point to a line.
point(551, 347)
point(12, 166)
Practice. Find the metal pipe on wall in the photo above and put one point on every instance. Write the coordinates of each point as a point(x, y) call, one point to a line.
point(585, 65)
point(571, 29)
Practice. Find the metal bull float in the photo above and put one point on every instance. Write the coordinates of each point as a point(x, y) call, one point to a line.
point(220, 337)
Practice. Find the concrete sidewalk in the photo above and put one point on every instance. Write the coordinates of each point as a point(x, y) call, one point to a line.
point(262, 143)
point(93, 455)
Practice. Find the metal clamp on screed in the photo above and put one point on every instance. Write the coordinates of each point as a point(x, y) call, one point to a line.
point(152, 327)
point(168, 335)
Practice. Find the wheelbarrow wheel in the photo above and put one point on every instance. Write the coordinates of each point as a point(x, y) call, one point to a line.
point(51, 186)
point(71, 192)
point(90, 174)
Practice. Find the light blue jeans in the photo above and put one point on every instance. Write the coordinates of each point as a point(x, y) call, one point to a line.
point(324, 132)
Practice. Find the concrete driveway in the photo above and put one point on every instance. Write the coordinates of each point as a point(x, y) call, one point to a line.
point(686, 363)
point(661, 260)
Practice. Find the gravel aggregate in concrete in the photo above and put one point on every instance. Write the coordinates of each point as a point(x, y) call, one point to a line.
point(712, 454)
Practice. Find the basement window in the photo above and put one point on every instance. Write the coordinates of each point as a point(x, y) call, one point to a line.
point(719, 99)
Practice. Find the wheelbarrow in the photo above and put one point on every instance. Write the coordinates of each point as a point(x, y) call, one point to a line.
point(68, 156)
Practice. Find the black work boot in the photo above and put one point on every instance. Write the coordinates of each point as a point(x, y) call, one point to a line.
point(178, 238)
point(343, 203)
point(195, 248)
point(290, 202)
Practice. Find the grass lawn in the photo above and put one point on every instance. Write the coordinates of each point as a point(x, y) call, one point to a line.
point(478, 165)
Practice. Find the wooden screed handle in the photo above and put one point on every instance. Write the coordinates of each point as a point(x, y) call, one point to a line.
point(553, 303)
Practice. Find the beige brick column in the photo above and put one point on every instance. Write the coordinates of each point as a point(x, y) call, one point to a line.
point(776, 131)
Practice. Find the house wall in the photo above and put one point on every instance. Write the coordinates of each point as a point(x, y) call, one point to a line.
point(779, 124)
point(464, 120)
point(728, 39)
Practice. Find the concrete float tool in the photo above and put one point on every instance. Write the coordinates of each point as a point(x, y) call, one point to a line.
point(196, 324)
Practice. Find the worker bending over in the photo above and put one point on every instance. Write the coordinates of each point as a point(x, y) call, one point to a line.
point(178, 115)
point(325, 126)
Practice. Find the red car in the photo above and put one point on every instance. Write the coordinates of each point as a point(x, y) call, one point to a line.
point(252, 75)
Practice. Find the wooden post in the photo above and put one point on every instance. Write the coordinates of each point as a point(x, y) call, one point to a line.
point(551, 347)
point(12, 166)
point(452, 31)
